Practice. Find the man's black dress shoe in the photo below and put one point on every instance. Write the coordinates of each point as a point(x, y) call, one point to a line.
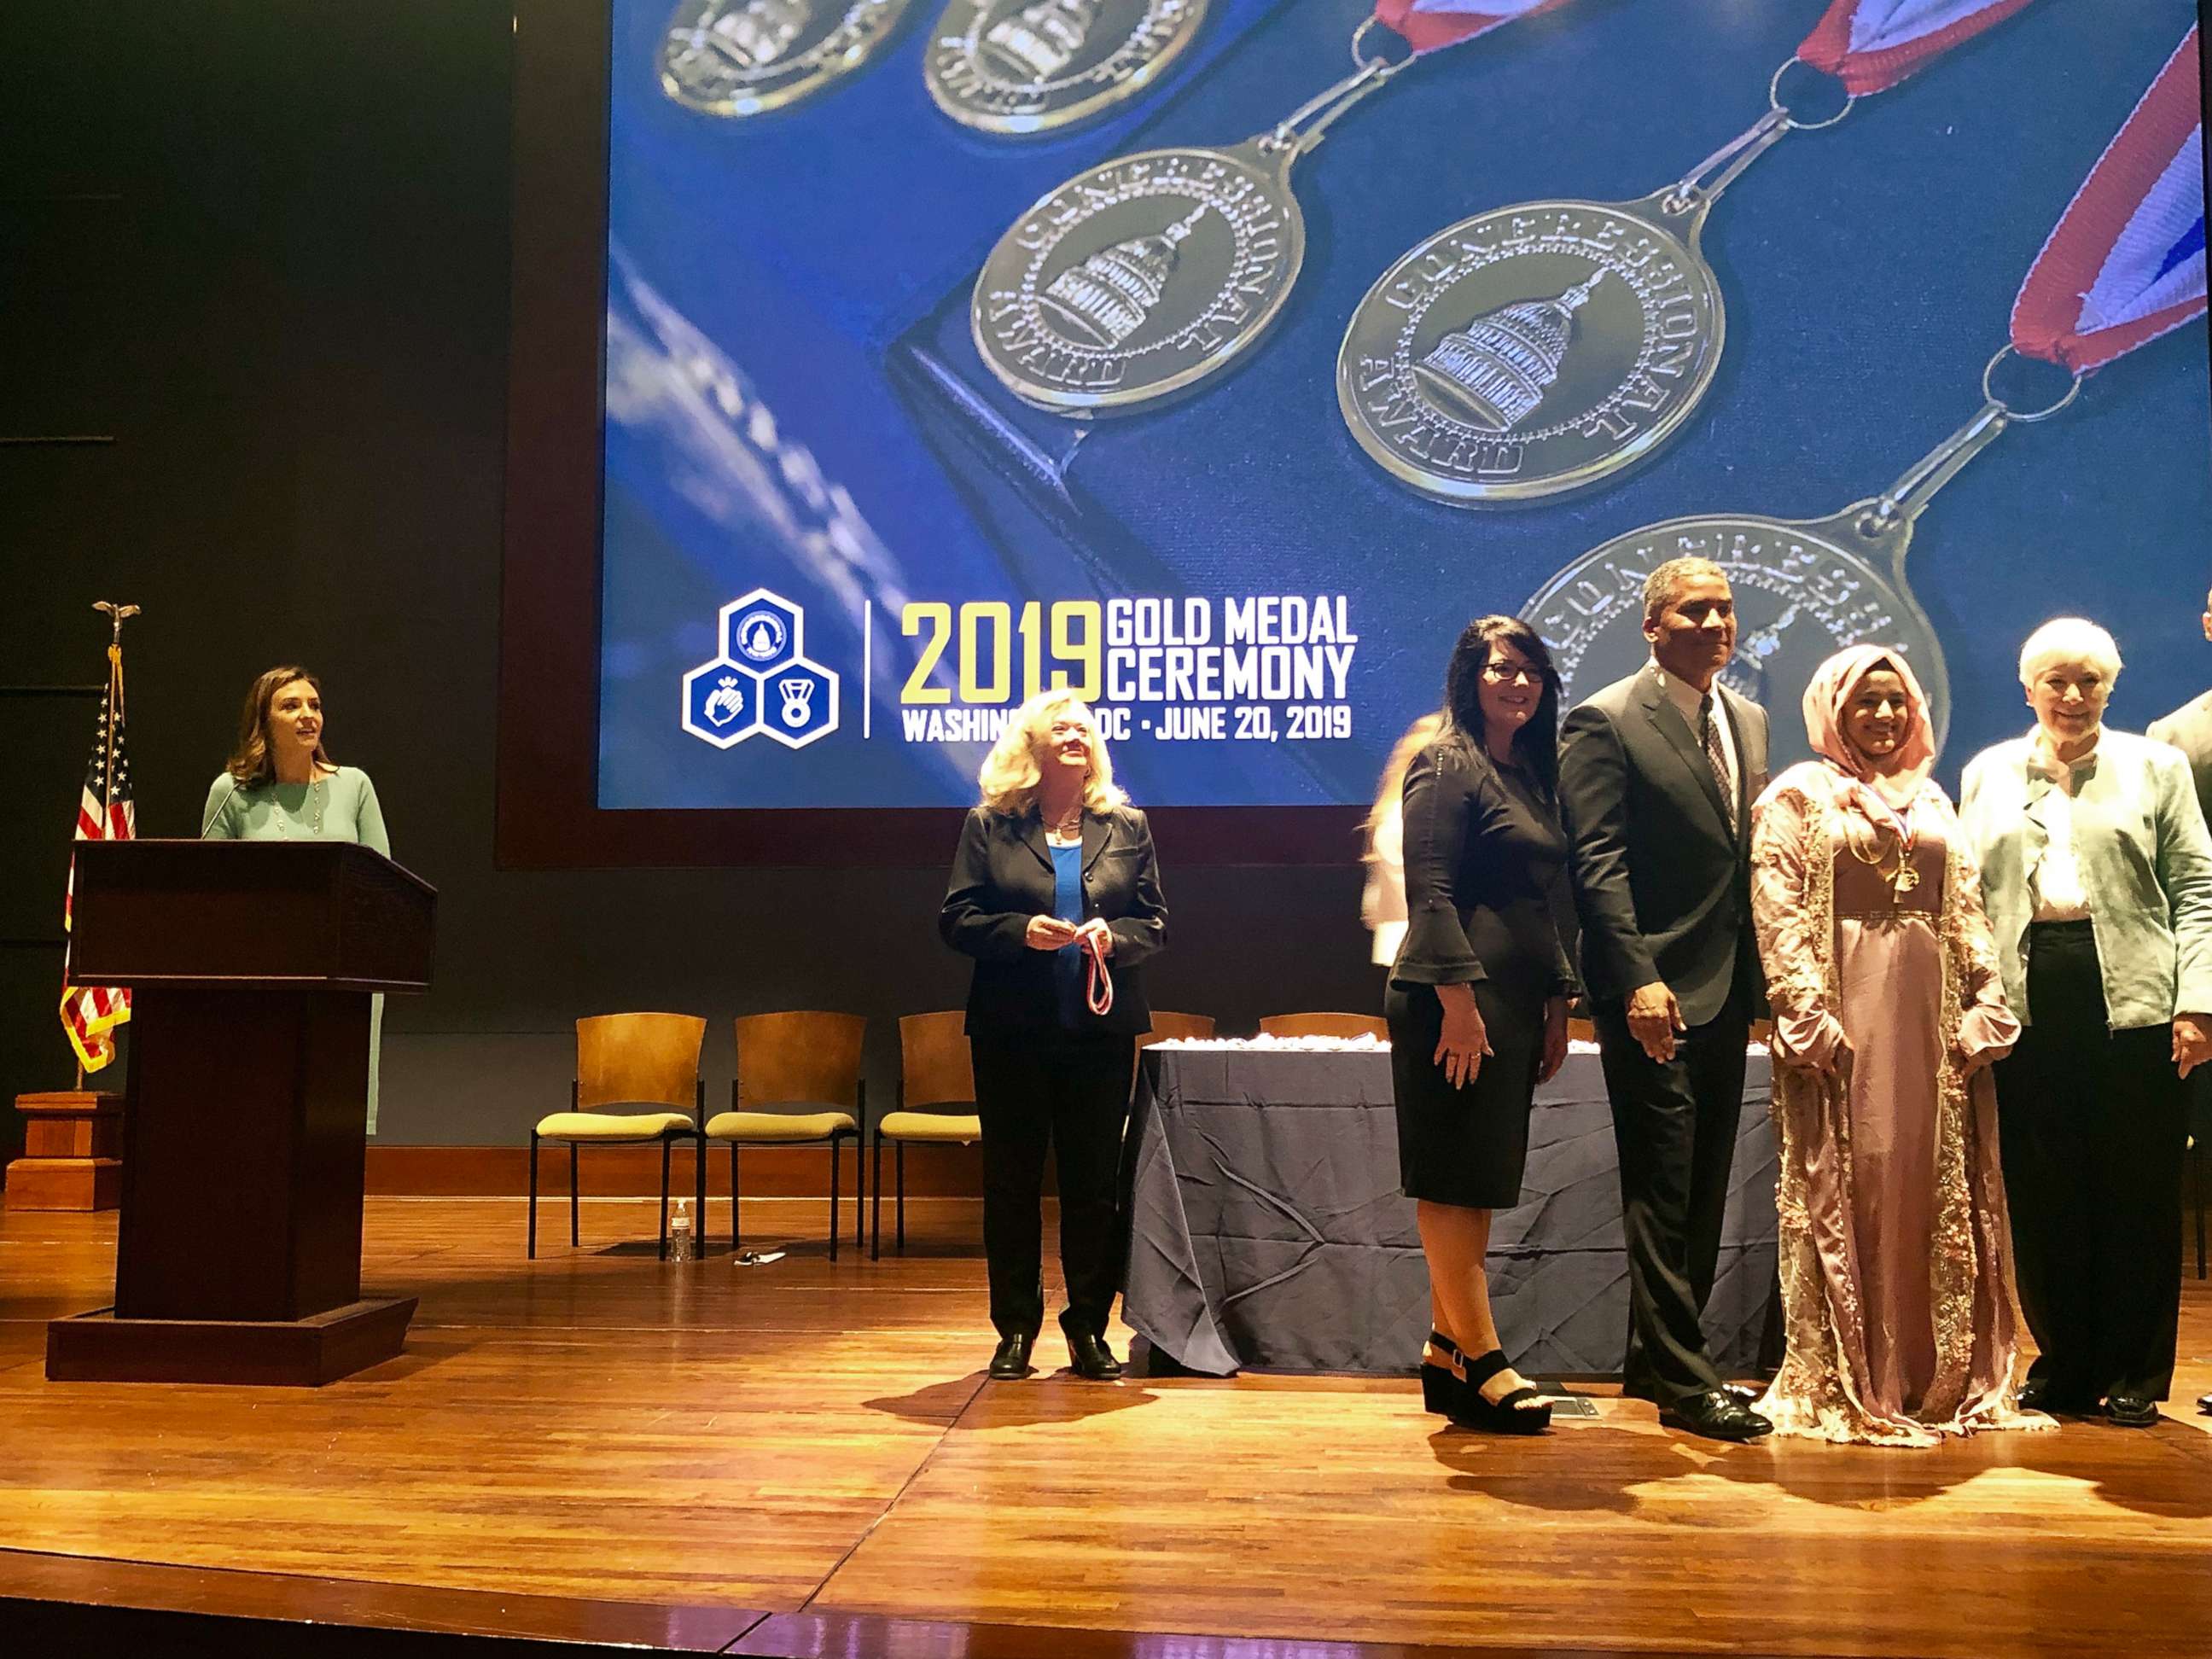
point(1641, 1389)
point(2131, 1411)
point(2042, 1393)
point(1088, 1356)
point(1012, 1358)
point(1718, 1415)
point(2205, 1404)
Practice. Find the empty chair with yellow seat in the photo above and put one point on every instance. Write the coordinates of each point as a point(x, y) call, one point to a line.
point(637, 1082)
point(937, 1104)
point(798, 1083)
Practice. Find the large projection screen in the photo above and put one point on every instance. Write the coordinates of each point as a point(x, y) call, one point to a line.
point(875, 450)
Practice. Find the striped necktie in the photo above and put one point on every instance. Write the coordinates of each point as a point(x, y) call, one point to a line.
point(1709, 733)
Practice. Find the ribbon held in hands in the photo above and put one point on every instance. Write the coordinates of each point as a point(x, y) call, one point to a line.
point(1098, 978)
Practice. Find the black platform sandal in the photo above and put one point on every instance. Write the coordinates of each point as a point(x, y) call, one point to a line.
point(1502, 1416)
point(1441, 1384)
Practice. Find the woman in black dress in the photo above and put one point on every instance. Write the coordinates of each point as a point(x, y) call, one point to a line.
point(1477, 998)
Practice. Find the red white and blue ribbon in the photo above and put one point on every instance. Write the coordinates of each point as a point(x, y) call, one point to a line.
point(1432, 25)
point(2126, 263)
point(1098, 977)
point(1872, 45)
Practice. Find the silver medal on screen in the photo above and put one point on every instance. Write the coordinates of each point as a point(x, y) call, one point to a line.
point(1019, 66)
point(1133, 282)
point(747, 56)
point(1533, 351)
point(1804, 590)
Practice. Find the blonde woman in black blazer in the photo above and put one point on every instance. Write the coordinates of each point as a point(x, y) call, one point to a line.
point(1054, 868)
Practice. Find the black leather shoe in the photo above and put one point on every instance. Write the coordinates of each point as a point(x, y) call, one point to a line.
point(2042, 1393)
point(1718, 1415)
point(2205, 1404)
point(2131, 1411)
point(1089, 1356)
point(1012, 1358)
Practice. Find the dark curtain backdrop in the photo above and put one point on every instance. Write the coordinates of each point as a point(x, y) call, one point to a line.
point(262, 246)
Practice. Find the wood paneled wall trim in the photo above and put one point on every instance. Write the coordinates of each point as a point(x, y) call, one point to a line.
point(634, 1171)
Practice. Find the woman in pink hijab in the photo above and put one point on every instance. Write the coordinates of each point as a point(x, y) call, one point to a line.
point(1896, 1254)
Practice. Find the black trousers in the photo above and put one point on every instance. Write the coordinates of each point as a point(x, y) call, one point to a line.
point(2090, 1124)
point(1674, 1125)
point(1069, 1094)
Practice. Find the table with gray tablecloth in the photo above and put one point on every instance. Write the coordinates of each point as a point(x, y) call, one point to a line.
point(1268, 1230)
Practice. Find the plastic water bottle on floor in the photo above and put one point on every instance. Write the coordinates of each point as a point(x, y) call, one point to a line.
point(679, 1232)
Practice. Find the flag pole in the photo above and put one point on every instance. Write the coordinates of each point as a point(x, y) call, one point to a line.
point(117, 616)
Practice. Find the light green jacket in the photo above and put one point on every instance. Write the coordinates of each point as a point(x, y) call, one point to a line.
point(2146, 864)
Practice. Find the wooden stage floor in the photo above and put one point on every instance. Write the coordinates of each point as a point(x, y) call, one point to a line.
point(799, 1458)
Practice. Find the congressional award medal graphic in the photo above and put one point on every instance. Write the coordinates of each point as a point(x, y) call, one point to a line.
point(1136, 281)
point(1022, 66)
point(2125, 265)
point(1546, 347)
point(747, 56)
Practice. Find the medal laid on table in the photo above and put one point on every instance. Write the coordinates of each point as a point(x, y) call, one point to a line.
point(1135, 281)
point(1547, 348)
point(747, 56)
point(2125, 265)
point(1022, 66)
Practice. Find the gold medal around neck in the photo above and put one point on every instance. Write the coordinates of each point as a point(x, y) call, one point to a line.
point(1533, 351)
point(736, 57)
point(1027, 66)
point(1138, 279)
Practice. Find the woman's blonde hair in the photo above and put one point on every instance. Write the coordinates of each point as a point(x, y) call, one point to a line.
point(1011, 773)
point(1418, 736)
point(249, 762)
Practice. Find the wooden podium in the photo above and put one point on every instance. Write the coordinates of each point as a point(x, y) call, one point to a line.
point(250, 965)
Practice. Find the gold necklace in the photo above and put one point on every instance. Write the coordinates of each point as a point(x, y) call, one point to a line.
point(1904, 879)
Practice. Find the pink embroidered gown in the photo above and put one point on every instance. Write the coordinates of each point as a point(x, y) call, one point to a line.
point(1895, 1247)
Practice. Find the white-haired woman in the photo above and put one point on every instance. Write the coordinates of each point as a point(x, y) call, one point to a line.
point(2097, 875)
point(1056, 894)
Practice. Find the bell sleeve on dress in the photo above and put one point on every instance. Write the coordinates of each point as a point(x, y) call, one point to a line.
point(1438, 804)
point(1796, 985)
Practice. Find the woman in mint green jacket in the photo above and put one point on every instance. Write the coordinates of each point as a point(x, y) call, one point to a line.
point(282, 785)
point(2097, 875)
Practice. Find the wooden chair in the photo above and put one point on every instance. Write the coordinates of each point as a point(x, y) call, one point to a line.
point(626, 1061)
point(1325, 1025)
point(798, 1083)
point(1580, 1030)
point(936, 1105)
point(1177, 1028)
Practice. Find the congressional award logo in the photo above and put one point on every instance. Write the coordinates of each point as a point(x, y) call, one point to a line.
point(761, 682)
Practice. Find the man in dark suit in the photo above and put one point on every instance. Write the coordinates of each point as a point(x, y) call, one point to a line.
point(1657, 773)
point(2188, 728)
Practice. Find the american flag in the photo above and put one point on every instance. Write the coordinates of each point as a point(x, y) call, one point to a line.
point(90, 1013)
